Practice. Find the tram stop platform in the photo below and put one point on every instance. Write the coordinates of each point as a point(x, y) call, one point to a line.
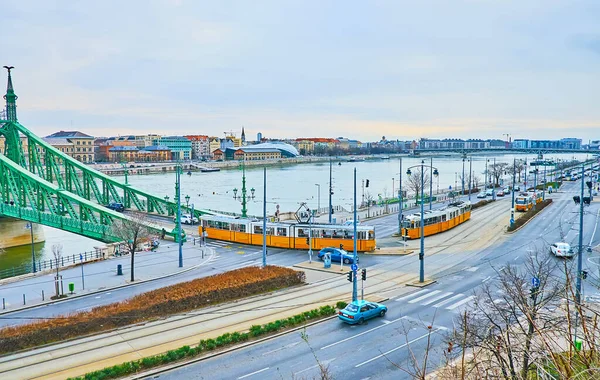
point(391, 251)
point(318, 265)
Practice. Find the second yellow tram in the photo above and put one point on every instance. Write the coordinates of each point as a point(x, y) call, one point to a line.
point(436, 221)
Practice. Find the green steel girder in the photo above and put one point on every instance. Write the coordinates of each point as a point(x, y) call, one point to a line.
point(56, 167)
point(29, 197)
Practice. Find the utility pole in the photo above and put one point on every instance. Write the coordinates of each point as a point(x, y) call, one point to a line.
point(493, 180)
point(355, 280)
point(330, 189)
point(535, 172)
point(462, 189)
point(579, 255)
point(264, 247)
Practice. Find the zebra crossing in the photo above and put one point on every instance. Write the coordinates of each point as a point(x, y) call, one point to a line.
point(437, 298)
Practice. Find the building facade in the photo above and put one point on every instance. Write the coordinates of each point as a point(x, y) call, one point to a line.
point(74, 143)
point(181, 148)
point(200, 146)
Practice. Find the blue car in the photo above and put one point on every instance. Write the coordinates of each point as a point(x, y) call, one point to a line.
point(337, 255)
point(357, 312)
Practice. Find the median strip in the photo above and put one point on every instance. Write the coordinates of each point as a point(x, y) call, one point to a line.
point(209, 345)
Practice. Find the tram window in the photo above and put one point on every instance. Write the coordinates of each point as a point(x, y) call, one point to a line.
point(326, 234)
point(361, 235)
point(258, 230)
point(281, 231)
point(270, 231)
point(238, 227)
point(371, 235)
point(301, 233)
point(443, 218)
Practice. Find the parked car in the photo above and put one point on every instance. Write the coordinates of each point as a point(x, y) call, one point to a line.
point(500, 193)
point(337, 255)
point(359, 311)
point(187, 219)
point(506, 190)
point(489, 192)
point(481, 195)
point(517, 189)
point(562, 250)
point(116, 206)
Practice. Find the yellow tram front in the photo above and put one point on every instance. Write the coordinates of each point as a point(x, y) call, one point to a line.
point(287, 235)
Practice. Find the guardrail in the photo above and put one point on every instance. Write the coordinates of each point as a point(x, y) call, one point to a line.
point(42, 265)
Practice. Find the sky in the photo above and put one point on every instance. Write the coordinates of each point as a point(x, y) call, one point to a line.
point(359, 69)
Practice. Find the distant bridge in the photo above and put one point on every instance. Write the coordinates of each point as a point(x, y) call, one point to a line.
point(48, 187)
point(540, 152)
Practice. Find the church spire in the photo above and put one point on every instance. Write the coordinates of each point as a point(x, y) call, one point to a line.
point(11, 98)
point(243, 136)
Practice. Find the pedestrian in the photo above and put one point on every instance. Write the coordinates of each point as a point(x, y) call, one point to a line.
point(204, 236)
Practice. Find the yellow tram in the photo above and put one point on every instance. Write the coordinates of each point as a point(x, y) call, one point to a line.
point(437, 221)
point(287, 235)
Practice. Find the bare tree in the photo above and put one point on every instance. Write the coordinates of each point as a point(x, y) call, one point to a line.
point(57, 253)
point(496, 171)
point(132, 231)
point(518, 168)
point(414, 182)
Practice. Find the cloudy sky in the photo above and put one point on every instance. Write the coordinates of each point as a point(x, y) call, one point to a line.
point(360, 69)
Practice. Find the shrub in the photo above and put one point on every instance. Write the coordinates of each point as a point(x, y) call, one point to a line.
point(157, 303)
point(481, 204)
point(341, 304)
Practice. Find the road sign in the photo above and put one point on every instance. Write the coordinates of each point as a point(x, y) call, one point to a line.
point(354, 267)
point(535, 282)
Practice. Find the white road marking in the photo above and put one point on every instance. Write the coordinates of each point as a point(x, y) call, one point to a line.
point(97, 297)
point(486, 279)
point(516, 258)
point(454, 306)
point(324, 362)
point(471, 269)
point(362, 333)
point(253, 373)
point(432, 293)
point(395, 349)
point(448, 300)
point(282, 348)
point(444, 295)
point(411, 295)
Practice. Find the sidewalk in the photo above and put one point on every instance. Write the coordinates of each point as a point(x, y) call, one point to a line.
point(35, 289)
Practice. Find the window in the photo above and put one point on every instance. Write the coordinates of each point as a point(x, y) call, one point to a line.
point(258, 230)
point(281, 231)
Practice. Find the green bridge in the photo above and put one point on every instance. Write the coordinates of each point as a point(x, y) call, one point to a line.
point(41, 184)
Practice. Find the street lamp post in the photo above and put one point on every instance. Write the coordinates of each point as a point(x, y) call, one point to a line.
point(470, 176)
point(545, 184)
point(512, 209)
point(330, 189)
point(29, 226)
point(430, 183)
point(485, 176)
point(318, 197)
point(243, 197)
point(178, 195)
point(493, 180)
point(187, 201)
point(400, 200)
point(422, 223)
point(462, 188)
point(393, 180)
point(535, 172)
point(354, 275)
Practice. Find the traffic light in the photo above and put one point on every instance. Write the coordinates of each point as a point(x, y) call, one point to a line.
point(576, 199)
point(586, 200)
point(589, 184)
point(331, 210)
point(367, 184)
point(364, 274)
point(350, 276)
point(584, 274)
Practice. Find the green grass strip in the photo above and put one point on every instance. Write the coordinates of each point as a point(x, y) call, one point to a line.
point(208, 345)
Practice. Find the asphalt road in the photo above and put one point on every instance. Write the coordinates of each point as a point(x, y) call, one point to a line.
point(376, 350)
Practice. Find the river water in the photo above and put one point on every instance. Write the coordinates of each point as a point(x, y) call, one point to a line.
point(287, 186)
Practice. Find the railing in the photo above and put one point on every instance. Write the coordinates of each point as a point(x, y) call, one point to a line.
point(42, 265)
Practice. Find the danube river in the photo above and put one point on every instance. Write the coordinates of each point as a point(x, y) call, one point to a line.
point(287, 186)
